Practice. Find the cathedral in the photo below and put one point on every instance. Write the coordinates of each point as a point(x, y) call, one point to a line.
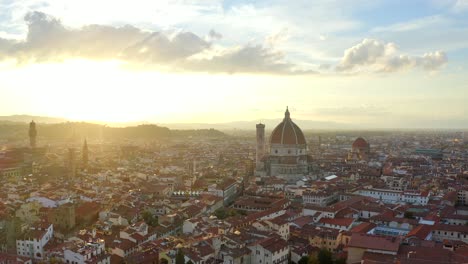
point(360, 150)
point(287, 156)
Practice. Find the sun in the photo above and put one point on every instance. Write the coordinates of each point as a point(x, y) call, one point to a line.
point(85, 90)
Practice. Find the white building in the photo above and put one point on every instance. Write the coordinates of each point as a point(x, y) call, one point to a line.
point(396, 197)
point(227, 190)
point(319, 197)
point(189, 226)
point(441, 232)
point(83, 253)
point(272, 250)
point(32, 241)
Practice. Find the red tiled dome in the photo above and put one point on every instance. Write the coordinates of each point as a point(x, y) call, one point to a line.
point(360, 143)
point(287, 133)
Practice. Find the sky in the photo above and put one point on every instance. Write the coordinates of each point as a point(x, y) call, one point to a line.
point(368, 63)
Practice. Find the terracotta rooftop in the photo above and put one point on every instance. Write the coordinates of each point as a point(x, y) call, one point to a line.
point(384, 243)
point(360, 143)
point(287, 132)
point(363, 227)
point(421, 232)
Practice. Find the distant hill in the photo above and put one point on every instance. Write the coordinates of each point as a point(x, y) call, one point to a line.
point(250, 125)
point(80, 130)
point(235, 125)
point(28, 118)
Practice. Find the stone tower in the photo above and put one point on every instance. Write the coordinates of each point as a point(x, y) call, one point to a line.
point(71, 163)
point(85, 154)
point(32, 134)
point(260, 146)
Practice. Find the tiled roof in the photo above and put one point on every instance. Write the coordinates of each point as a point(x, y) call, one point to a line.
point(384, 243)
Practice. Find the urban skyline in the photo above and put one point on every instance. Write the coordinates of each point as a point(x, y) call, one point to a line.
point(233, 132)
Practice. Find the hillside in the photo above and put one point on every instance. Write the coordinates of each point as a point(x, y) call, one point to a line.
point(76, 130)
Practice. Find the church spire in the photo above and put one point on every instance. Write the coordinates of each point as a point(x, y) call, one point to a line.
point(286, 114)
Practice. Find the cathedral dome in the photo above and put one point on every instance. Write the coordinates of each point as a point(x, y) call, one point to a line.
point(360, 143)
point(287, 132)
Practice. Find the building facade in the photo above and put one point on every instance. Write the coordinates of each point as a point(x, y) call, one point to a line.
point(32, 242)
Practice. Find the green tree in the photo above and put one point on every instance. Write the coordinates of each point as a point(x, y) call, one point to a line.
point(304, 260)
point(150, 219)
point(313, 260)
point(409, 215)
point(180, 258)
point(220, 213)
point(340, 261)
point(325, 256)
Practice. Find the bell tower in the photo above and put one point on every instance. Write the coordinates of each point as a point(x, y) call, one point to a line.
point(260, 146)
point(85, 154)
point(32, 134)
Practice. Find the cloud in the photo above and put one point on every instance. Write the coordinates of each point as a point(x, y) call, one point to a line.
point(414, 24)
point(324, 66)
point(248, 58)
point(214, 35)
point(460, 6)
point(433, 60)
point(364, 53)
point(159, 48)
point(49, 40)
point(5, 47)
point(375, 55)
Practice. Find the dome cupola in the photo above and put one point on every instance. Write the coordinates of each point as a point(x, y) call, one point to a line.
point(287, 132)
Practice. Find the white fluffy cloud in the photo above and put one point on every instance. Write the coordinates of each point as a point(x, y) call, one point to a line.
point(375, 55)
point(433, 60)
point(248, 58)
point(49, 40)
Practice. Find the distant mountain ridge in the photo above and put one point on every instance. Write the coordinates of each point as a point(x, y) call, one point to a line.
point(237, 125)
point(270, 124)
point(29, 118)
point(234, 125)
point(81, 130)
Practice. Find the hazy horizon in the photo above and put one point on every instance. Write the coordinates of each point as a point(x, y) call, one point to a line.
point(306, 125)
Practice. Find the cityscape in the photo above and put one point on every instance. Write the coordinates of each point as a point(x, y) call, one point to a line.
point(233, 132)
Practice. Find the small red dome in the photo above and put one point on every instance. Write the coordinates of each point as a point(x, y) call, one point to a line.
point(287, 133)
point(360, 143)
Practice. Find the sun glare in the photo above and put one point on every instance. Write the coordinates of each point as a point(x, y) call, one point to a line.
point(110, 91)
